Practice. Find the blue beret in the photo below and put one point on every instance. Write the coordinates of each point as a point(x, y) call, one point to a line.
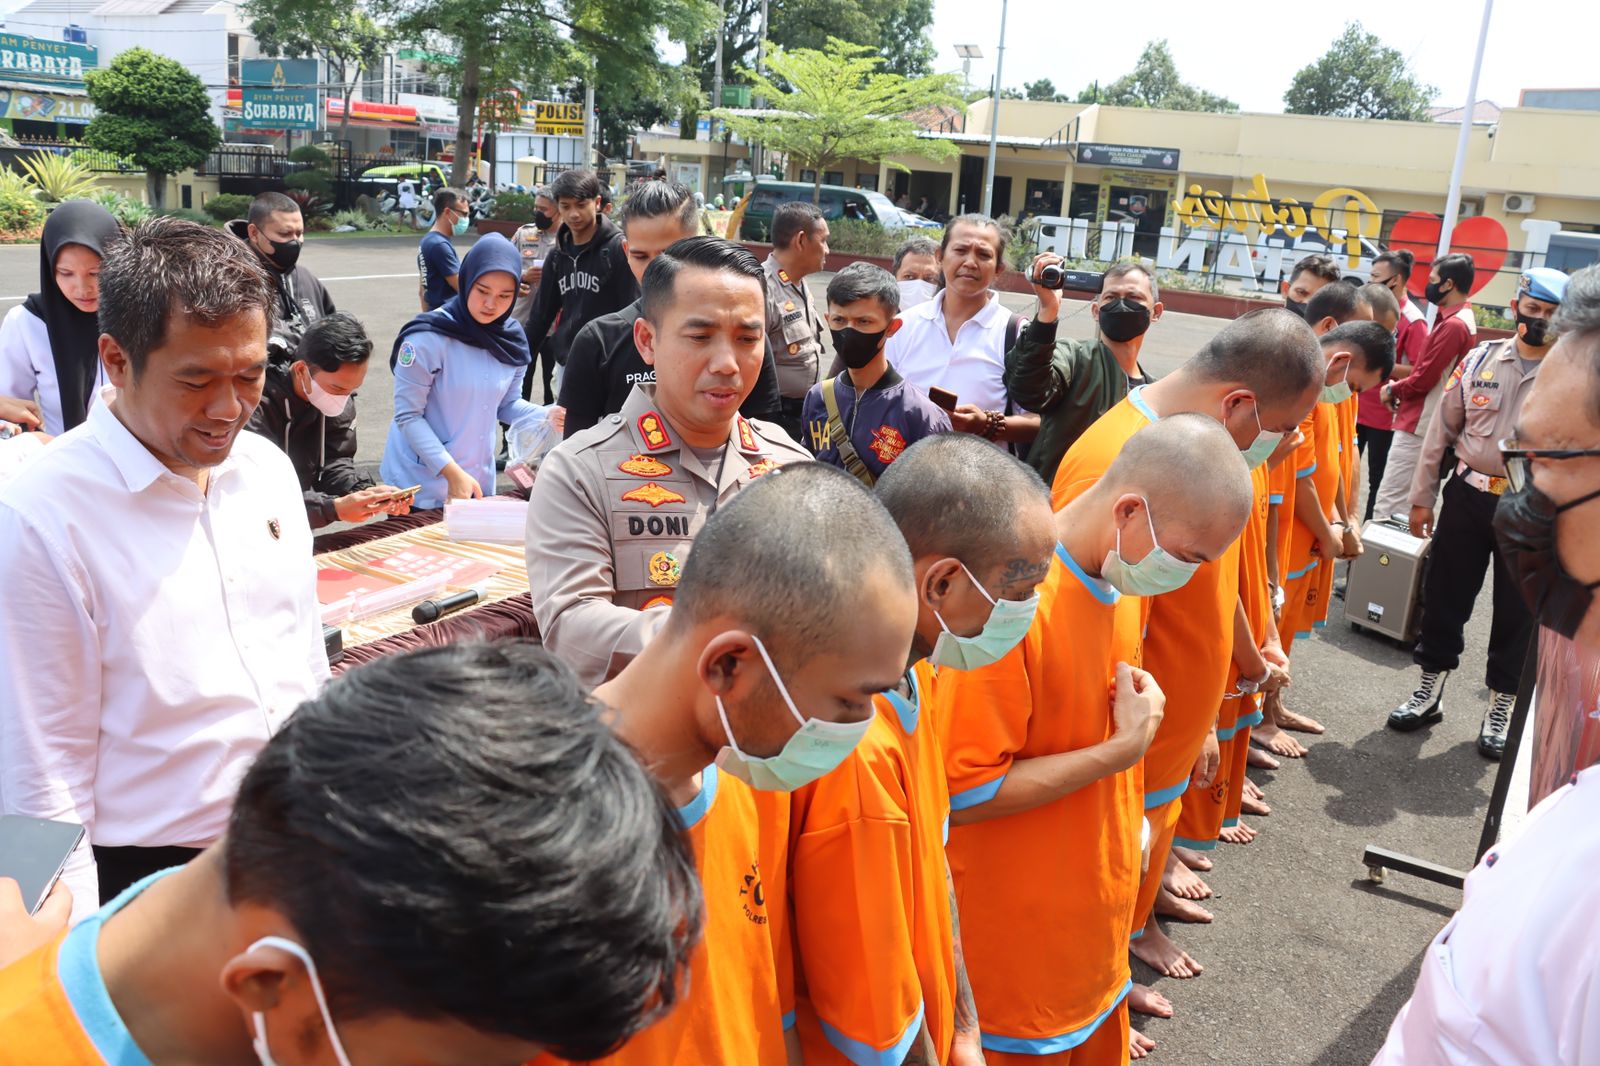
point(1544, 283)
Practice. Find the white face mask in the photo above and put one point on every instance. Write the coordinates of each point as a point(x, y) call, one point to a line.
point(263, 1051)
point(323, 400)
point(816, 748)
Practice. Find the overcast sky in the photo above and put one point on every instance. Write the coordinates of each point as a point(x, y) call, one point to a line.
point(1249, 52)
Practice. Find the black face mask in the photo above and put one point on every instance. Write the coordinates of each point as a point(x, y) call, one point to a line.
point(1537, 332)
point(1123, 319)
point(856, 348)
point(542, 220)
point(1434, 292)
point(284, 254)
point(1525, 529)
point(1297, 306)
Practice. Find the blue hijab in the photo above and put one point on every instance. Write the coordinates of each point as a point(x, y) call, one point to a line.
point(504, 337)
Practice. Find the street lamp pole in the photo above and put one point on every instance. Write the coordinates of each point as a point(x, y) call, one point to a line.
point(994, 115)
point(1452, 204)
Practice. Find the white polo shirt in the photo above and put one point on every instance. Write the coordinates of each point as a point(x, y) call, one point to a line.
point(1514, 979)
point(156, 637)
point(973, 366)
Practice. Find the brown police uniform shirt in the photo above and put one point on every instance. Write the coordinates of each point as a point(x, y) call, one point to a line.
point(794, 329)
point(610, 522)
point(1478, 409)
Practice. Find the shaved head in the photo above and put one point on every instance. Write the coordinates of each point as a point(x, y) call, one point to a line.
point(1271, 352)
point(788, 557)
point(954, 494)
point(1191, 474)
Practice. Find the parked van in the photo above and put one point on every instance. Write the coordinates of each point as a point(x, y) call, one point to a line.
point(836, 202)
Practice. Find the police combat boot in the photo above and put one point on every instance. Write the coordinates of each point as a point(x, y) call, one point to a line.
point(1426, 705)
point(1496, 724)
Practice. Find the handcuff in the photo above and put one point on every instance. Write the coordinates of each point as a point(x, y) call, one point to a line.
point(1279, 597)
point(1250, 686)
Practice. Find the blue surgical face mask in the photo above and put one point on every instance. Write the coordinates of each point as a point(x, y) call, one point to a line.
point(460, 228)
point(263, 1052)
point(1009, 621)
point(814, 749)
point(1338, 393)
point(1153, 575)
point(1264, 445)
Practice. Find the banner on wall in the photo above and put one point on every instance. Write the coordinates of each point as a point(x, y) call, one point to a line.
point(33, 106)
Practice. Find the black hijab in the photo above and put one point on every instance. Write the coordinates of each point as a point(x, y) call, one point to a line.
point(74, 334)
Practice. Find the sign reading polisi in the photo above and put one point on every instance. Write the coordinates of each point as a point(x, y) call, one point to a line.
point(279, 94)
point(1127, 155)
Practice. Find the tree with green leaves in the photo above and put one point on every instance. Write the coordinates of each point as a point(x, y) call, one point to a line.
point(152, 110)
point(1044, 89)
point(1154, 82)
point(828, 106)
point(346, 38)
point(1360, 77)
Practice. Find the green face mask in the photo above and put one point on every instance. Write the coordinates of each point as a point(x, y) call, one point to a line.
point(1338, 393)
point(1153, 575)
point(1264, 445)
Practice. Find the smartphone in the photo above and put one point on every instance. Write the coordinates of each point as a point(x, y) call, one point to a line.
point(403, 494)
point(33, 852)
point(942, 398)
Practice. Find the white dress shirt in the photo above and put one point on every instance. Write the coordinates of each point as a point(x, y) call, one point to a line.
point(155, 637)
point(28, 369)
point(973, 366)
point(1514, 979)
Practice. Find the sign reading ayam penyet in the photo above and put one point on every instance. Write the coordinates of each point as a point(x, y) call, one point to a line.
point(279, 94)
point(39, 60)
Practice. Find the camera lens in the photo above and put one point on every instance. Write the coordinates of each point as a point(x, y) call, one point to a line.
point(1050, 277)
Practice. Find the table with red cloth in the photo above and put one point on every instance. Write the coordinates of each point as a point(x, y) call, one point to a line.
point(510, 614)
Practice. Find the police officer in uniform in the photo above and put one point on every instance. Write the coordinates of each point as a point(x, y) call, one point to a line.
point(799, 247)
point(616, 507)
point(1479, 408)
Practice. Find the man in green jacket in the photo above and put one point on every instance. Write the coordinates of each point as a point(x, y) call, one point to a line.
point(1070, 383)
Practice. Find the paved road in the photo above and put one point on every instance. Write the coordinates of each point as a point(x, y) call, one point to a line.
point(1306, 963)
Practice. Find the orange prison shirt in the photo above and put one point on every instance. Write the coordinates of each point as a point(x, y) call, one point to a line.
point(1045, 895)
point(1316, 464)
point(1281, 482)
point(873, 932)
point(1352, 457)
point(733, 1009)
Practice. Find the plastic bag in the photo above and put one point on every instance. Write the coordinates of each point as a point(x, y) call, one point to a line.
point(528, 440)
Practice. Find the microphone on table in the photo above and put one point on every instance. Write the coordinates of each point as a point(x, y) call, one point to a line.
point(433, 610)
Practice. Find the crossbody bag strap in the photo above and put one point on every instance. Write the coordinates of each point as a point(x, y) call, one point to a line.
point(841, 439)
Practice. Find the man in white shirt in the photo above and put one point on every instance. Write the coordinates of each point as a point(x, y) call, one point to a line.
point(1514, 978)
point(158, 562)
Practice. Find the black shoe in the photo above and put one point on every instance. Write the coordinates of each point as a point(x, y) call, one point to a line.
point(1426, 705)
point(1492, 734)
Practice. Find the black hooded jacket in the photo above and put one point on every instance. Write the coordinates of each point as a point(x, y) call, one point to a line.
point(301, 301)
point(580, 283)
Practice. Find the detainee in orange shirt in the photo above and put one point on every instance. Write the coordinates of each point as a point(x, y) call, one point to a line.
point(776, 644)
point(1258, 377)
point(876, 943)
point(1043, 751)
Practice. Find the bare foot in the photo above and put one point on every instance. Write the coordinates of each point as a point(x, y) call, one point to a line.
point(1182, 881)
point(1194, 860)
point(1253, 790)
point(1260, 759)
point(1237, 834)
point(1288, 719)
point(1145, 1000)
point(1254, 806)
point(1157, 951)
point(1184, 910)
point(1267, 735)
point(1139, 1045)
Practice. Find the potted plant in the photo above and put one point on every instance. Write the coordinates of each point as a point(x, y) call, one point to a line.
point(512, 210)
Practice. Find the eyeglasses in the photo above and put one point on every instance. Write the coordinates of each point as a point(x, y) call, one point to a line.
point(1517, 457)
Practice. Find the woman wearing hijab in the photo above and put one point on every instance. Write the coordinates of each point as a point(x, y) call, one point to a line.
point(458, 371)
point(50, 345)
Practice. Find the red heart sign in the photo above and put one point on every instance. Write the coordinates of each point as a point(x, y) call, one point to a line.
point(1481, 237)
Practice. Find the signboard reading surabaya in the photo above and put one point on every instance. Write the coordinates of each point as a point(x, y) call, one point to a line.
point(278, 94)
point(1127, 155)
point(41, 60)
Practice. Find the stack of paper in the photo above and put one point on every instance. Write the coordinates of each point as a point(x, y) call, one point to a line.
point(494, 521)
point(360, 605)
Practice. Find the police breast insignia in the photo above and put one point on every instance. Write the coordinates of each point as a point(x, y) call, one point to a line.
point(273, 528)
point(664, 569)
point(747, 436)
point(1480, 400)
point(757, 469)
point(657, 601)
point(652, 494)
point(1488, 374)
point(794, 349)
point(783, 276)
point(644, 466)
point(654, 431)
point(887, 444)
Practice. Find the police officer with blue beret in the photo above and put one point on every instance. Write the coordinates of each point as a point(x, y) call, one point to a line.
point(1479, 408)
